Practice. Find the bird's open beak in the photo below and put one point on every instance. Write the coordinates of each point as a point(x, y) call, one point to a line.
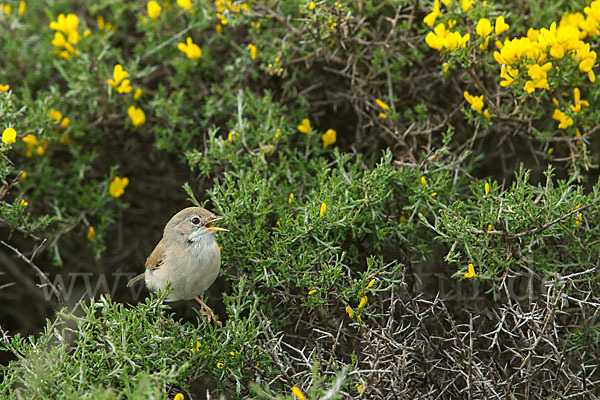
point(210, 227)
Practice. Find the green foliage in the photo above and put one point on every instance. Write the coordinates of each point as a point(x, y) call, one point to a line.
point(346, 155)
point(139, 352)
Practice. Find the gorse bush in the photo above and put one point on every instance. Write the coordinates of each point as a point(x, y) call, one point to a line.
point(411, 193)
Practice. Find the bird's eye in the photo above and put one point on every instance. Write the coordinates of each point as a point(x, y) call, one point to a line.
point(195, 220)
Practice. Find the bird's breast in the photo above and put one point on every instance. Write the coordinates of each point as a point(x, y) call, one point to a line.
point(191, 270)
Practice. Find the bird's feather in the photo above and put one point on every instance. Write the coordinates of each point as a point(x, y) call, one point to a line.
point(157, 257)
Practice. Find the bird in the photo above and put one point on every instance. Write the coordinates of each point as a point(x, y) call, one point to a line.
point(187, 257)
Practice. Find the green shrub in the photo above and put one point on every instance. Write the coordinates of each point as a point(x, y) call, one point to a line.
point(364, 152)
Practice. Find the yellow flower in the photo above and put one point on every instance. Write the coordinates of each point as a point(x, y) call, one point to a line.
point(30, 139)
point(178, 396)
point(137, 115)
point(137, 94)
point(185, 4)
point(118, 75)
point(564, 120)
point(466, 4)
point(489, 228)
point(91, 233)
point(475, 101)
point(59, 40)
point(55, 115)
point(471, 272)
point(65, 122)
point(486, 188)
point(371, 283)
point(359, 387)
point(9, 136)
point(220, 365)
point(31, 142)
point(22, 7)
point(153, 9)
point(323, 209)
point(382, 115)
point(363, 303)
point(190, 49)
point(4, 88)
point(311, 292)
point(350, 312)
point(430, 18)
point(312, 6)
point(484, 27)
point(252, 51)
point(501, 26)
point(382, 105)
point(423, 181)
point(304, 127)
point(329, 137)
point(23, 176)
point(291, 198)
point(65, 24)
point(578, 102)
point(103, 25)
point(124, 87)
point(24, 203)
point(117, 186)
point(298, 393)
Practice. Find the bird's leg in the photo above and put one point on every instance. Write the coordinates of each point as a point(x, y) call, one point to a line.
point(206, 310)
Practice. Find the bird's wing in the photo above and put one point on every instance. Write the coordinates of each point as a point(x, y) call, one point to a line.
point(157, 257)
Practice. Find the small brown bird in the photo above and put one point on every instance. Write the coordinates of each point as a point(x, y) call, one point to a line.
point(187, 256)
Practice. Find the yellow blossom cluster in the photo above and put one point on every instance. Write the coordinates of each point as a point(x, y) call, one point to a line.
point(104, 25)
point(33, 144)
point(484, 29)
point(477, 104)
point(66, 35)
point(361, 304)
point(225, 7)
point(118, 80)
point(441, 39)
point(587, 23)
point(536, 53)
point(565, 120)
point(7, 8)
point(122, 85)
point(328, 138)
point(58, 117)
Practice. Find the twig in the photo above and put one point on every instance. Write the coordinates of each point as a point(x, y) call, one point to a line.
point(39, 272)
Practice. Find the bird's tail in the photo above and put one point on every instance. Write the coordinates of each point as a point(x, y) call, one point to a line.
point(135, 280)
